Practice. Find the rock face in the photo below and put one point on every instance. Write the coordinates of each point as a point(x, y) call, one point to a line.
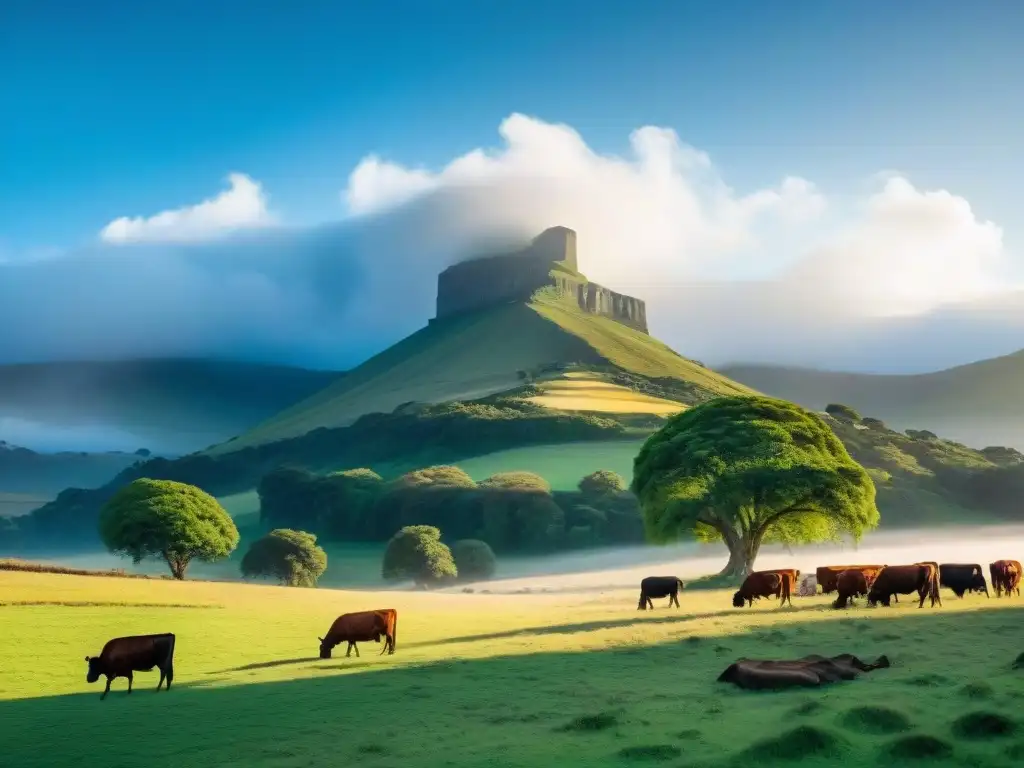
point(549, 261)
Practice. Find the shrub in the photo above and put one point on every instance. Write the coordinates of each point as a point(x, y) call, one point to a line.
point(416, 552)
point(842, 412)
point(876, 424)
point(517, 481)
point(474, 560)
point(601, 483)
point(162, 518)
point(921, 434)
point(293, 557)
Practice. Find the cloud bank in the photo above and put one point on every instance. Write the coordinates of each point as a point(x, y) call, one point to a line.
point(904, 279)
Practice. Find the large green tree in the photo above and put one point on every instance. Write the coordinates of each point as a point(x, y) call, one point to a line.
point(416, 552)
point(174, 521)
point(293, 557)
point(748, 470)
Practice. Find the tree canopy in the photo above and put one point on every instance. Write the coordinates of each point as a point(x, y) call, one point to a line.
point(162, 518)
point(840, 411)
point(601, 482)
point(293, 557)
point(474, 559)
point(517, 481)
point(416, 552)
point(750, 469)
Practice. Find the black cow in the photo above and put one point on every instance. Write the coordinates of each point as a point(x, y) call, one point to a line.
point(659, 586)
point(123, 656)
point(962, 577)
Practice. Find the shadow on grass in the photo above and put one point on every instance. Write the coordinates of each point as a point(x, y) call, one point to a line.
point(951, 687)
point(638, 619)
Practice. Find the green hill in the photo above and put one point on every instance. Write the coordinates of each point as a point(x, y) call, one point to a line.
point(165, 405)
point(477, 354)
point(978, 403)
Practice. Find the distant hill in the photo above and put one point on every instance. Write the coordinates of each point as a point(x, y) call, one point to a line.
point(472, 355)
point(978, 404)
point(166, 405)
point(27, 473)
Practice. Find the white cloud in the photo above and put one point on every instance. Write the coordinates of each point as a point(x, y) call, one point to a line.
point(900, 279)
point(242, 206)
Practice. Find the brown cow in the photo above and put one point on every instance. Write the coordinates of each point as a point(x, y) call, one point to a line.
point(1006, 576)
point(828, 575)
point(359, 628)
point(962, 577)
point(905, 580)
point(810, 671)
point(124, 656)
point(764, 584)
point(851, 583)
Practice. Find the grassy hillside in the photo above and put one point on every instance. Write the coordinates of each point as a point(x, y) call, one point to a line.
point(168, 406)
point(561, 465)
point(523, 680)
point(588, 392)
point(46, 474)
point(979, 404)
point(477, 354)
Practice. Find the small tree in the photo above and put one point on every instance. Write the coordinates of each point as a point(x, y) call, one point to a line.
point(921, 434)
point(602, 483)
point(416, 552)
point(745, 469)
point(174, 521)
point(842, 412)
point(517, 481)
point(474, 559)
point(875, 424)
point(293, 557)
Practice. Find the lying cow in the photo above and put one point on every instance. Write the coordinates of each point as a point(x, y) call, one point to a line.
point(828, 575)
point(763, 584)
point(962, 577)
point(1006, 576)
point(809, 671)
point(905, 580)
point(124, 656)
point(361, 627)
point(850, 584)
point(659, 586)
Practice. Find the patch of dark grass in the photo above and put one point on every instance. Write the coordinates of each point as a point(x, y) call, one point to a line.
point(694, 639)
point(689, 733)
point(977, 691)
point(1019, 662)
point(983, 725)
point(877, 720)
point(602, 721)
point(1015, 751)
point(927, 681)
point(800, 743)
point(918, 746)
point(808, 707)
point(371, 749)
point(886, 637)
point(722, 649)
point(659, 752)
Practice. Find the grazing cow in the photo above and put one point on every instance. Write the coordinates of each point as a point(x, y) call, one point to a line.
point(905, 580)
point(361, 627)
point(764, 584)
point(1006, 576)
point(810, 671)
point(124, 656)
point(851, 583)
point(828, 575)
point(808, 586)
point(962, 577)
point(659, 586)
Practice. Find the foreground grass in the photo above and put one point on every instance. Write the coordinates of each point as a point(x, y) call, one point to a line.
point(512, 680)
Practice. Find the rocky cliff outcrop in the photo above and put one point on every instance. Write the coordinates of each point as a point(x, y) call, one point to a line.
point(549, 261)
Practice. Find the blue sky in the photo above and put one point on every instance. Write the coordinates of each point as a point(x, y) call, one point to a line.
point(118, 108)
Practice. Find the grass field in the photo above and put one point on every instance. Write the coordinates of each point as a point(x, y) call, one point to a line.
point(561, 465)
point(530, 680)
point(586, 392)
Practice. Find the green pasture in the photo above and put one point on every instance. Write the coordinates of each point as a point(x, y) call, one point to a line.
point(518, 680)
point(562, 465)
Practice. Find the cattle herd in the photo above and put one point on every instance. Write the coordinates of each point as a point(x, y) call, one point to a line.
point(124, 656)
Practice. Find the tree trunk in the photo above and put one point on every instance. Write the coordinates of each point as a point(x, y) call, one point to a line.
point(742, 553)
point(177, 566)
